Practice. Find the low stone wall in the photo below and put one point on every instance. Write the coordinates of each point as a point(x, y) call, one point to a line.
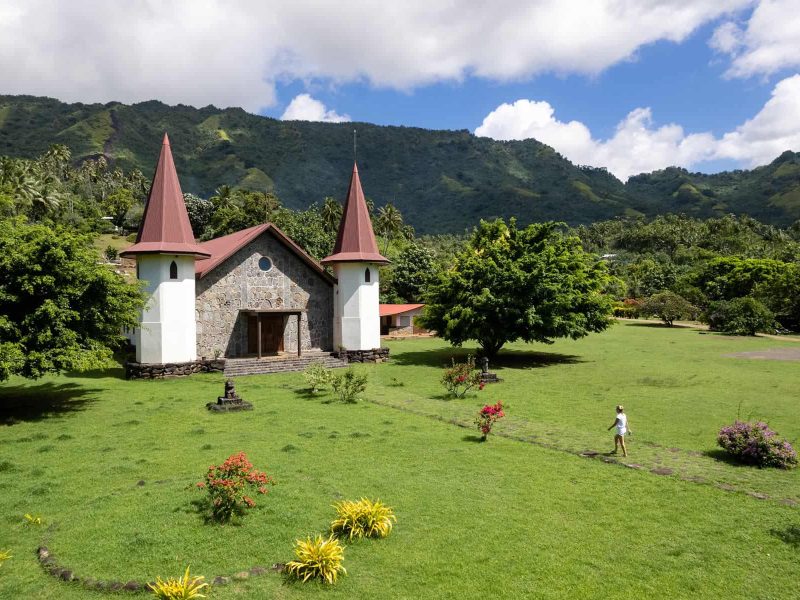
point(400, 331)
point(134, 370)
point(376, 355)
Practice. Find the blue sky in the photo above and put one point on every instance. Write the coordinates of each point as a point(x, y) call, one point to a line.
point(630, 85)
point(682, 82)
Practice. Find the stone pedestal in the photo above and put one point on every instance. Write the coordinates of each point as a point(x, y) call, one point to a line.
point(230, 401)
point(486, 376)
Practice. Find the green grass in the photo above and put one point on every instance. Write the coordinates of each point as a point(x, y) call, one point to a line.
point(103, 241)
point(505, 518)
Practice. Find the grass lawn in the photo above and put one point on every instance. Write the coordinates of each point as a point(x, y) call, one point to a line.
point(520, 516)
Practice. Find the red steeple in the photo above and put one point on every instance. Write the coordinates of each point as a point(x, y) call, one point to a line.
point(165, 227)
point(356, 240)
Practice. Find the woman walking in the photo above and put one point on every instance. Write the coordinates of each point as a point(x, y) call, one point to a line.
point(621, 423)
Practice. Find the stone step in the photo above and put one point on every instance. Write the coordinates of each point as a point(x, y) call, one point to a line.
point(254, 366)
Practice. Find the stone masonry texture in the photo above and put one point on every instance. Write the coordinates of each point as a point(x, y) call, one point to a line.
point(239, 284)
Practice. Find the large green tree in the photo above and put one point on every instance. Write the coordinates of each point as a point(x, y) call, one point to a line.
point(533, 284)
point(59, 309)
point(414, 269)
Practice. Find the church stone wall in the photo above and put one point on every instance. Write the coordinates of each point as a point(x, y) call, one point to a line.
point(239, 284)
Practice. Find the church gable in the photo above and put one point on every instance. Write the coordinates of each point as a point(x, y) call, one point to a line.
point(265, 276)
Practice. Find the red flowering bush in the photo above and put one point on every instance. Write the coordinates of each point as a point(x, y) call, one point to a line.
point(228, 484)
point(462, 377)
point(487, 417)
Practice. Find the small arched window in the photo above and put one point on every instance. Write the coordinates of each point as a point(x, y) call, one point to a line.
point(173, 270)
point(367, 275)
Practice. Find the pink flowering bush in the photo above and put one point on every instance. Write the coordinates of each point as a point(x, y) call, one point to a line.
point(757, 444)
point(462, 377)
point(228, 485)
point(487, 417)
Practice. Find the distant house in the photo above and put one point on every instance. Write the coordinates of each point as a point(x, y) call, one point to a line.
point(398, 319)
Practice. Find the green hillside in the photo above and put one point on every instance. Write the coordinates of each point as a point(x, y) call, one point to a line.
point(770, 193)
point(442, 181)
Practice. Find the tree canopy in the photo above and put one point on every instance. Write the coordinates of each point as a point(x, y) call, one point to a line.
point(533, 284)
point(59, 309)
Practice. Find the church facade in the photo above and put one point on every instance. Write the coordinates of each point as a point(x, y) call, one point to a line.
point(252, 294)
point(264, 286)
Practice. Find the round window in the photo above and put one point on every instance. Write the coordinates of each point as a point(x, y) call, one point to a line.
point(264, 263)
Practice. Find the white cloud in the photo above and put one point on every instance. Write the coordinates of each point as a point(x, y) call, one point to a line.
point(773, 130)
point(638, 146)
point(232, 53)
point(305, 108)
point(767, 44)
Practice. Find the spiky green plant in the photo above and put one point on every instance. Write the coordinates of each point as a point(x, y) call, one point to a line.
point(4, 556)
point(317, 558)
point(364, 518)
point(32, 520)
point(182, 588)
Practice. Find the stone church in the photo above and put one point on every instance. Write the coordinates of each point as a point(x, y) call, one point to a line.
point(251, 294)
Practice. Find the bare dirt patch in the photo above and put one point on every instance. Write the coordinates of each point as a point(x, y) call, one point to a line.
point(769, 354)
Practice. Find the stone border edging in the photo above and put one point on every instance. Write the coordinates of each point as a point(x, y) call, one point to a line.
point(65, 574)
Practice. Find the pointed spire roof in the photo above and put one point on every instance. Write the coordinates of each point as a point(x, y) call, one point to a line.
point(355, 241)
point(165, 227)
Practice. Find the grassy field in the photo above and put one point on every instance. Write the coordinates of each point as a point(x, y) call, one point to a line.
point(110, 466)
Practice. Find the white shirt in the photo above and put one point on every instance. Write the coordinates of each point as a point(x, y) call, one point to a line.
point(622, 423)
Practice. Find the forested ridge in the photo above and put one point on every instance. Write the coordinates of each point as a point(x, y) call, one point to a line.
point(441, 181)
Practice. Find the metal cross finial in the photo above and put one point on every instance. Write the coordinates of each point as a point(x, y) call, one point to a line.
point(355, 133)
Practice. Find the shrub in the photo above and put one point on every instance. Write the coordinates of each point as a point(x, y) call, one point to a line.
point(740, 316)
point(364, 518)
point(4, 556)
point(110, 253)
point(461, 377)
point(318, 377)
point(757, 444)
point(182, 588)
point(487, 417)
point(668, 306)
point(228, 483)
point(317, 558)
point(349, 385)
point(629, 308)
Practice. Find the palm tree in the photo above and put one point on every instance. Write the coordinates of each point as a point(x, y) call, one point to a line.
point(47, 196)
point(389, 223)
point(57, 160)
point(331, 213)
point(223, 196)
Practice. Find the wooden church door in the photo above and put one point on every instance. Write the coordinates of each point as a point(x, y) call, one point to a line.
point(272, 327)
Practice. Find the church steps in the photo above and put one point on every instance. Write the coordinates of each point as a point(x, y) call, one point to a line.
point(235, 367)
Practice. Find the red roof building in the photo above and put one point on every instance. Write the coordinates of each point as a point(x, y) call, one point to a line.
point(355, 241)
point(399, 319)
point(388, 310)
point(165, 227)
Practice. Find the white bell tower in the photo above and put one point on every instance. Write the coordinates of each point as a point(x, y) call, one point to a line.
point(165, 253)
point(355, 261)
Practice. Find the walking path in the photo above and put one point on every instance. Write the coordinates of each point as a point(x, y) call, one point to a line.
point(707, 468)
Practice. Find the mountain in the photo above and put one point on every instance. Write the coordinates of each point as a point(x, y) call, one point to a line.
point(442, 181)
point(770, 193)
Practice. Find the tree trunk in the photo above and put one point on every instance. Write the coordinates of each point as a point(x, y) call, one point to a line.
point(489, 349)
